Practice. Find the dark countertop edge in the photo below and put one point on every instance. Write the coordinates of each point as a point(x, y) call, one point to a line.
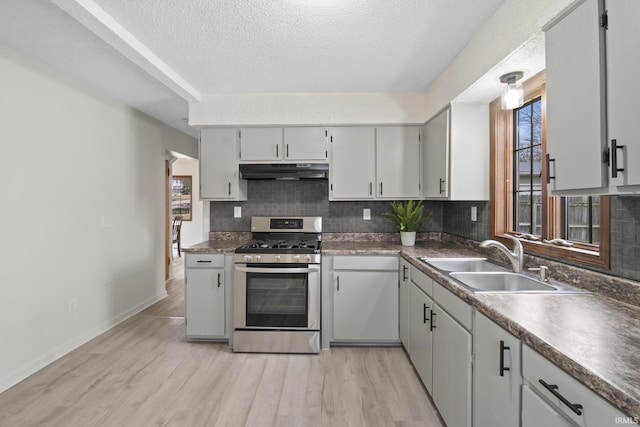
point(604, 388)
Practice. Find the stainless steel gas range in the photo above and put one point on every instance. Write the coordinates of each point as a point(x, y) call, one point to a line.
point(277, 287)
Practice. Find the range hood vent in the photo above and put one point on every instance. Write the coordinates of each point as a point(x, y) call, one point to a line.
point(284, 171)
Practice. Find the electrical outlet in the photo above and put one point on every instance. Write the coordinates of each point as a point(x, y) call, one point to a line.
point(73, 305)
point(237, 211)
point(366, 214)
point(474, 213)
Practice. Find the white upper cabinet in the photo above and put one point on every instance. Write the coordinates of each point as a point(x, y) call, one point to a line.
point(592, 89)
point(353, 163)
point(576, 127)
point(219, 175)
point(623, 92)
point(306, 143)
point(456, 153)
point(380, 163)
point(261, 144)
point(276, 144)
point(398, 162)
point(436, 154)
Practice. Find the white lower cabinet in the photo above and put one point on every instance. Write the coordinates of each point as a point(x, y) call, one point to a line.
point(403, 311)
point(536, 412)
point(497, 375)
point(545, 383)
point(451, 369)
point(441, 347)
point(365, 299)
point(204, 296)
point(421, 352)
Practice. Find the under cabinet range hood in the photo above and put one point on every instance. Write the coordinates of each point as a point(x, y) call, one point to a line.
point(284, 171)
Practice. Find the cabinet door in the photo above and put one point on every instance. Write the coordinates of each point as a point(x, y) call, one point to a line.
point(436, 157)
point(404, 311)
point(306, 143)
point(365, 305)
point(536, 412)
point(497, 375)
point(398, 162)
point(623, 90)
point(353, 163)
point(421, 352)
point(205, 302)
point(575, 100)
point(219, 166)
point(260, 144)
point(451, 369)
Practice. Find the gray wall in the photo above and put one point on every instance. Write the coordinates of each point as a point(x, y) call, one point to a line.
point(311, 198)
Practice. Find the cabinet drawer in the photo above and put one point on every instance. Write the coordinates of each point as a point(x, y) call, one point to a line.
point(422, 281)
point(458, 309)
point(205, 260)
point(595, 410)
point(371, 263)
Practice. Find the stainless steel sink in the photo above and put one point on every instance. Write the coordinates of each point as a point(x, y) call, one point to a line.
point(462, 264)
point(509, 282)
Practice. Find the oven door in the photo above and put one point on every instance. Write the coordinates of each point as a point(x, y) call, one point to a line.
point(274, 296)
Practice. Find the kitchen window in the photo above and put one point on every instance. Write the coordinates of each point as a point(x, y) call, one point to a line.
point(519, 201)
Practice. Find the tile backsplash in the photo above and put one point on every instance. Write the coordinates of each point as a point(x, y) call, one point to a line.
point(311, 198)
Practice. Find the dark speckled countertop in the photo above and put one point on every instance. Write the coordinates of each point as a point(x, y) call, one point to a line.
point(594, 338)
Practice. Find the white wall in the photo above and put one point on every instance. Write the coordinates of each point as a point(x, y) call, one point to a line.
point(513, 24)
point(308, 109)
point(192, 231)
point(71, 157)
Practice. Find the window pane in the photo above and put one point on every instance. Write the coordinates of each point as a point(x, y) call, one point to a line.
point(522, 207)
point(582, 219)
point(537, 122)
point(536, 212)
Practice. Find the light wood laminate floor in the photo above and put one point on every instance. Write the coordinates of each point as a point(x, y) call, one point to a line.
point(144, 373)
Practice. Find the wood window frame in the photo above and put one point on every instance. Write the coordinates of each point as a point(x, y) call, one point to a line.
point(501, 203)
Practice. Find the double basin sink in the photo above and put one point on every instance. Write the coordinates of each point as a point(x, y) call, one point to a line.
point(482, 275)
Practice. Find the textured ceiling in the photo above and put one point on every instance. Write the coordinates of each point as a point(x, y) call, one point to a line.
point(157, 55)
point(228, 46)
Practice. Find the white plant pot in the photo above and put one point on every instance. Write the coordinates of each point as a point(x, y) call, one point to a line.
point(408, 238)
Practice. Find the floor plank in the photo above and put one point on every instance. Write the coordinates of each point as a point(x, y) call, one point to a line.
point(144, 373)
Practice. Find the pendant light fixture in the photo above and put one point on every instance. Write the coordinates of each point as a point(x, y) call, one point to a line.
point(512, 95)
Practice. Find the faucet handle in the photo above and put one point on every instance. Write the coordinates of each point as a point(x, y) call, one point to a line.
point(543, 272)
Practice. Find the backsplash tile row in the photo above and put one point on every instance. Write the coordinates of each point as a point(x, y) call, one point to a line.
point(311, 198)
point(457, 220)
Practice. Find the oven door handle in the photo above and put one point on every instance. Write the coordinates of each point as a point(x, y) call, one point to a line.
point(277, 270)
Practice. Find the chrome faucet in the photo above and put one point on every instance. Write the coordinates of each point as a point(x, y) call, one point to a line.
point(516, 257)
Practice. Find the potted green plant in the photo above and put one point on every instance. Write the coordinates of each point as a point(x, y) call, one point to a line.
point(408, 216)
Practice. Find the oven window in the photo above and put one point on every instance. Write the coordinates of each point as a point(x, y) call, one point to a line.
point(277, 300)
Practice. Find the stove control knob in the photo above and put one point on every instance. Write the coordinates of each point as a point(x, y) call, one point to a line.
point(277, 258)
point(307, 258)
point(296, 258)
point(248, 258)
point(258, 258)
